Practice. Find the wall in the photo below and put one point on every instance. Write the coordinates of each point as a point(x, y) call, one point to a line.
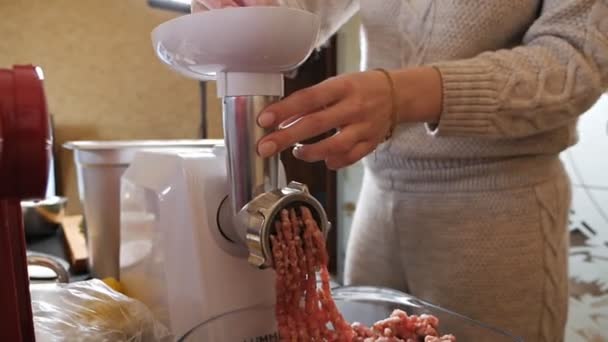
point(215, 129)
point(102, 78)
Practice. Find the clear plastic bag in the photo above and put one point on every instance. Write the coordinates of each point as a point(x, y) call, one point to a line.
point(92, 311)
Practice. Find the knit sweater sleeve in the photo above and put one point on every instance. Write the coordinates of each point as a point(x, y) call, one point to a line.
point(558, 72)
point(332, 13)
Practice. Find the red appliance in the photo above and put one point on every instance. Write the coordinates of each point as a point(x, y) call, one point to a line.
point(25, 149)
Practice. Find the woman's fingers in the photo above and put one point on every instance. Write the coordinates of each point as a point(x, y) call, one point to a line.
point(287, 123)
point(302, 102)
point(203, 5)
point(306, 127)
point(197, 6)
point(257, 2)
point(340, 143)
point(352, 103)
point(359, 151)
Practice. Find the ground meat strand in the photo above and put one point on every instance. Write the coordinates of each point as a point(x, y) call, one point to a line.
point(279, 264)
point(307, 313)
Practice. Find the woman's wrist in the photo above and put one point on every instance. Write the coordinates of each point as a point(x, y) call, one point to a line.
point(419, 94)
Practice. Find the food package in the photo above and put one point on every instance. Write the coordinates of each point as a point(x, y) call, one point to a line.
point(92, 311)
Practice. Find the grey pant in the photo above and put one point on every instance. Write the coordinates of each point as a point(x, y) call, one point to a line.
point(498, 256)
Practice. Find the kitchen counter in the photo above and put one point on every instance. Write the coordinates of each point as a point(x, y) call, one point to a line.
point(54, 245)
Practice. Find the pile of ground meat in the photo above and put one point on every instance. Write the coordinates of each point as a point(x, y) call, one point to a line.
point(307, 313)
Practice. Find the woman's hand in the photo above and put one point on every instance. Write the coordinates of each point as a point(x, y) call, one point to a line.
point(358, 105)
point(203, 5)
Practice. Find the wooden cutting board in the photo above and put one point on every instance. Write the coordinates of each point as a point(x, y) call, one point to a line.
point(76, 246)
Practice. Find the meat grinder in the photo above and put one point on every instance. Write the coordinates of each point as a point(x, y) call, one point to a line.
point(196, 223)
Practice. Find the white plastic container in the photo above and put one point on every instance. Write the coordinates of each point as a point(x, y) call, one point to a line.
point(99, 167)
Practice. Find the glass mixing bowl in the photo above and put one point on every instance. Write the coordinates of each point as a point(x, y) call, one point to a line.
point(358, 304)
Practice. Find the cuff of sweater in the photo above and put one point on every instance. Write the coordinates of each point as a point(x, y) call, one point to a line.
point(470, 99)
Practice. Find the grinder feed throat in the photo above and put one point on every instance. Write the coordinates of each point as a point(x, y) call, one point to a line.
point(256, 199)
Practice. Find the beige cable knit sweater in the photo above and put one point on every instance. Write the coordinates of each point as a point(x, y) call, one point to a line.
point(516, 74)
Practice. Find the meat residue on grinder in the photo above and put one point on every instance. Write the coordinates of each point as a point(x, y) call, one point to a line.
point(305, 312)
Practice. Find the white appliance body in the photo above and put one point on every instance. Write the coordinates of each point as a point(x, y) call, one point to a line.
point(173, 255)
